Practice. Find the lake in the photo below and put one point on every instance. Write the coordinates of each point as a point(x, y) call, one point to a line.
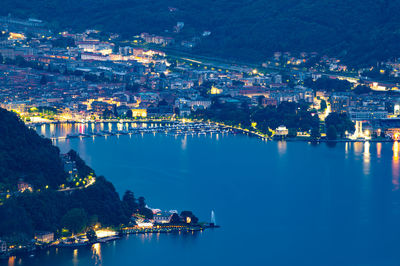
point(278, 203)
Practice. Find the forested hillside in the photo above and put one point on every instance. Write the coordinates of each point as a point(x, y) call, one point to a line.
point(360, 31)
point(25, 155)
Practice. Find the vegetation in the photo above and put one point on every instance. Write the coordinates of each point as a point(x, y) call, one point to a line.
point(294, 116)
point(362, 89)
point(21, 156)
point(25, 154)
point(358, 31)
point(132, 205)
point(83, 169)
point(340, 122)
point(328, 84)
point(331, 133)
point(75, 220)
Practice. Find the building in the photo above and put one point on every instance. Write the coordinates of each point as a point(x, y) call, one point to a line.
point(23, 186)
point(69, 166)
point(281, 131)
point(44, 237)
point(200, 104)
point(185, 111)
point(367, 114)
point(269, 102)
point(162, 217)
point(103, 48)
point(139, 112)
point(3, 246)
point(339, 104)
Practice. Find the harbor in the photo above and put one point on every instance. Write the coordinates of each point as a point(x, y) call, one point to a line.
point(92, 130)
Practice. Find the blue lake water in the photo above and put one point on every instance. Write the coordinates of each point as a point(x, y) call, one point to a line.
point(278, 203)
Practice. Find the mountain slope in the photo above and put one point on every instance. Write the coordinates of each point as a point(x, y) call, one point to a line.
point(360, 31)
point(25, 155)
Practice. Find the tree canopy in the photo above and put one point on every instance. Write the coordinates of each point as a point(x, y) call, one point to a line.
point(21, 155)
point(341, 123)
point(358, 31)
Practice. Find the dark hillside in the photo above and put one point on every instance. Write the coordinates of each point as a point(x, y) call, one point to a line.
point(25, 155)
point(357, 31)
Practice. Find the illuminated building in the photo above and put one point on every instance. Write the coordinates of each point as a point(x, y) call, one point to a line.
point(281, 131)
point(103, 48)
point(44, 237)
point(22, 186)
point(339, 104)
point(16, 36)
point(162, 217)
point(359, 133)
point(139, 112)
point(367, 114)
point(397, 109)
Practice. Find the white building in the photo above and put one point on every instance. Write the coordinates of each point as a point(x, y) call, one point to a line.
point(281, 131)
point(3, 246)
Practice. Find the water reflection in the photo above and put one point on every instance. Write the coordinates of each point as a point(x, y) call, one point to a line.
point(75, 257)
point(52, 129)
point(43, 130)
point(184, 143)
point(82, 128)
point(358, 148)
point(96, 249)
point(395, 166)
point(378, 149)
point(281, 147)
point(11, 261)
point(366, 158)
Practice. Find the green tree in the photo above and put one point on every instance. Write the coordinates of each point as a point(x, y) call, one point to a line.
point(142, 202)
point(323, 105)
point(129, 114)
point(292, 133)
point(186, 214)
point(315, 133)
point(331, 133)
point(75, 220)
point(341, 122)
point(129, 203)
point(362, 89)
point(91, 236)
point(175, 219)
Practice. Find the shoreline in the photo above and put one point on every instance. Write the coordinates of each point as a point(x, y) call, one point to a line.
point(33, 250)
point(233, 129)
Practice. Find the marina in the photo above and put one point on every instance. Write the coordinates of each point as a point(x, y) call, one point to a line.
point(92, 130)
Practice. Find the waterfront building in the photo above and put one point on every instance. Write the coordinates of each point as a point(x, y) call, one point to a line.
point(281, 131)
point(139, 112)
point(44, 237)
point(162, 217)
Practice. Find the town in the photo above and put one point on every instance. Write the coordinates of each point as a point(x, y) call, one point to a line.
point(96, 76)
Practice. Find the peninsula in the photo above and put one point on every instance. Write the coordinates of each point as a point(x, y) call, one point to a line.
point(51, 199)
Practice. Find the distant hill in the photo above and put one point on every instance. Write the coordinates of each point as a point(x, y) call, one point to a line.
point(359, 31)
point(25, 155)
